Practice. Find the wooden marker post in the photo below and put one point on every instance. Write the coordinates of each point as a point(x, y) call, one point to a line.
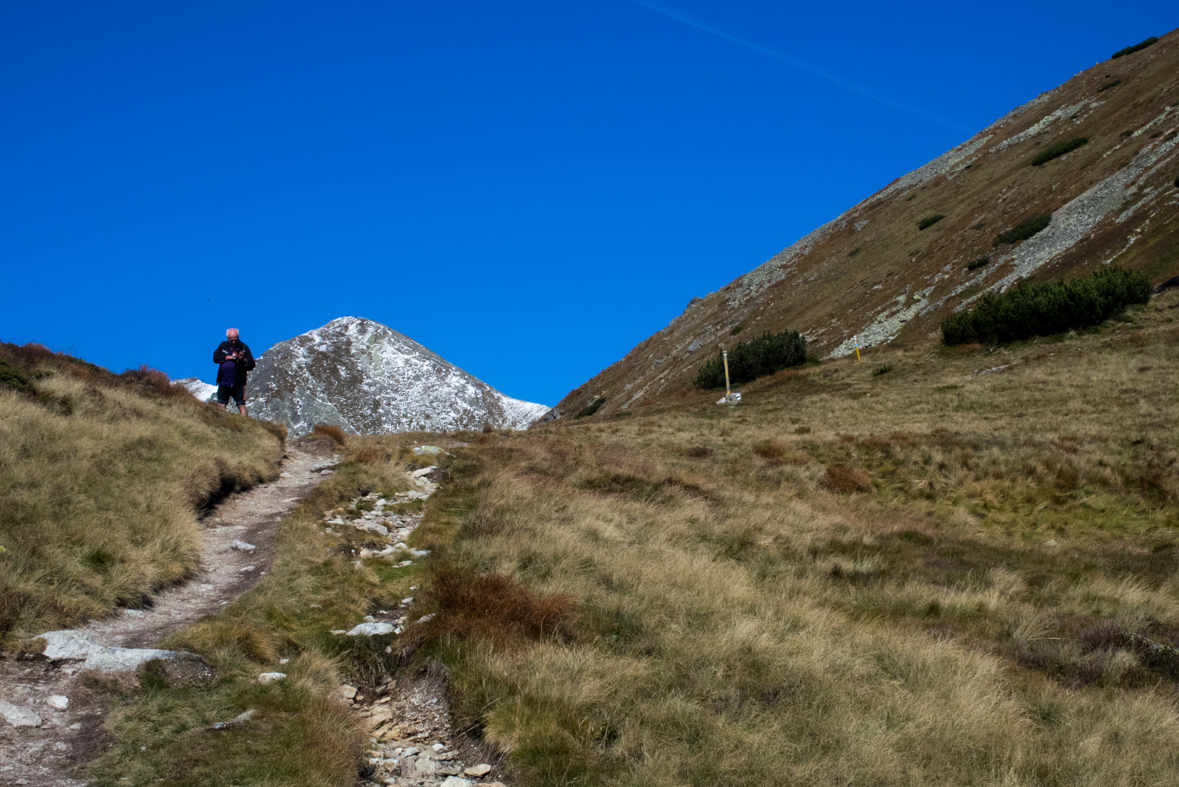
point(725, 355)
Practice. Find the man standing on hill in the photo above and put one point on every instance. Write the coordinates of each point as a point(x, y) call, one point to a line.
point(233, 359)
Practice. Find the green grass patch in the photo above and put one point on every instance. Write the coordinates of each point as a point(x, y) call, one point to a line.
point(881, 370)
point(1108, 85)
point(1058, 150)
point(1024, 230)
point(929, 221)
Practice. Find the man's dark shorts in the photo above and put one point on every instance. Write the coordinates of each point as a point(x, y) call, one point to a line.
point(238, 392)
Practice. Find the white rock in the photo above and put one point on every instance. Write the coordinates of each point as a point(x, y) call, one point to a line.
point(67, 645)
point(478, 770)
point(455, 781)
point(346, 691)
point(18, 716)
point(134, 613)
point(243, 546)
point(248, 568)
point(238, 719)
point(423, 472)
point(108, 660)
point(57, 701)
point(285, 475)
point(371, 629)
point(270, 677)
point(732, 398)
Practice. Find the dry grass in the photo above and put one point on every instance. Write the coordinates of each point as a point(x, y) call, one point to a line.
point(301, 734)
point(993, 603)
point(101, 478)
point(333, 433)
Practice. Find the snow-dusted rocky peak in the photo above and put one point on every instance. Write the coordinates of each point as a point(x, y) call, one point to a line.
point(370, 379)
point(198, 388)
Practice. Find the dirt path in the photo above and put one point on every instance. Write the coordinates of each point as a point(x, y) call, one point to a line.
point(51, 740)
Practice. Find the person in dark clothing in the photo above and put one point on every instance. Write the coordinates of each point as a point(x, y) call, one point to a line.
point(233, 359)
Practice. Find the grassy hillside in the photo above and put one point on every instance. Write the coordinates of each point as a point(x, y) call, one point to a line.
point(895, 265)
point(934, 566)
point(101, 478)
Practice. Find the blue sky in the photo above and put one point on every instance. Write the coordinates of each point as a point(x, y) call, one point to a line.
point(529, 189)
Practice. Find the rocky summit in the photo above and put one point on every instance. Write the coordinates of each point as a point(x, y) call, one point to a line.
point(367, 378)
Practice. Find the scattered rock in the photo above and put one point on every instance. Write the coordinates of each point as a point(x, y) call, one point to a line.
point(238, 719)
point(731, 398)
point(243, 546)
point(371, 629)
point(347, 692)
point(454, 781)
point(18, 716)
point(478, 771)
point(284, 475)
point(428, 449)
point(270, 677)
point(58, 702)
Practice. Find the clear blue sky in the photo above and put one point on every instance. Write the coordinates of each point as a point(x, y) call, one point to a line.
point(527, 188)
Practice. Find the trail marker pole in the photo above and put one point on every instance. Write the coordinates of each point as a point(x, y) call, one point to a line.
point(728, 390)
point(857, 339)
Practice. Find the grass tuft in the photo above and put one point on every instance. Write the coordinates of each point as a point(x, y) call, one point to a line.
point(929, 221)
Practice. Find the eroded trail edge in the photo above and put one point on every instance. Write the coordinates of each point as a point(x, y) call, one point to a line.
point(51, 720)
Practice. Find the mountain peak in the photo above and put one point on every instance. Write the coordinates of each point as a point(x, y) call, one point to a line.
point(367, 378)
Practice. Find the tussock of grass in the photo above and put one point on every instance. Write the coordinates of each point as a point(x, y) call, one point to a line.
point(929, 221)
point(102, 476)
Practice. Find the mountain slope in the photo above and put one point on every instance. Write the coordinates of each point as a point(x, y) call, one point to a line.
point(872, 273)
point(370, 379)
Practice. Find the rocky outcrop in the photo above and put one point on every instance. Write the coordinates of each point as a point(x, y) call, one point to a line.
point(369, 379)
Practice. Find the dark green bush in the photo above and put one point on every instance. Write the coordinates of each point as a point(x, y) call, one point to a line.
point(1177, 183)
point(879, 370)
point(1059, 149)
point(976, 264)
point(590, 408)
point(929, 221)
point(757, 358)
point(737, 329)
point(1024, 230)
point(1128, 132)
point(1108, 85)
point(1132, 49)
point(1046, 309)
point(854, 252)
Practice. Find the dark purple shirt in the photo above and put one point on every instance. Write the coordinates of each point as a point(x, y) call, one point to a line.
point(226, 372)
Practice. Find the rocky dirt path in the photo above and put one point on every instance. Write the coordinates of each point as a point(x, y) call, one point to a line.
point(50, 721)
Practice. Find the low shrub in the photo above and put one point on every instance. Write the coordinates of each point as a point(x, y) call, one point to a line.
point(976, 264)
point(764, 355)
point(1108, 85)
point(1177, 183)
point(737, 329)
point(929, 221)
point(1058, 150)
point(879, 370)
point(1137, 47)
point(1024, 230)
point(854, 252)
point(590, 408)
point(1046, 309)
point(1128, 132)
